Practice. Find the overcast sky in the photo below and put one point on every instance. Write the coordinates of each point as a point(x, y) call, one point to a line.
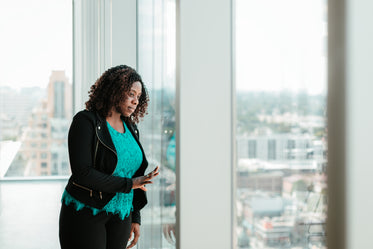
point(280, 44)
point(36, 38)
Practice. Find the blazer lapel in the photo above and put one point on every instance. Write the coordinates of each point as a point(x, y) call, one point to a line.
point(103, 133)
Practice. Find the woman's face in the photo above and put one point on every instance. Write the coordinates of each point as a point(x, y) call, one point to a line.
point(128, 106)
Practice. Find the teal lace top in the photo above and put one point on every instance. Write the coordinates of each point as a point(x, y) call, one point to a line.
point(129, 161)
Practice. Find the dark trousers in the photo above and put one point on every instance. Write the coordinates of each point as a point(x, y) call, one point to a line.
point(83, 230)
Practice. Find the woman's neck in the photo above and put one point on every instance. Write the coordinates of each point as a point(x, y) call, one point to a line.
point(115, 121)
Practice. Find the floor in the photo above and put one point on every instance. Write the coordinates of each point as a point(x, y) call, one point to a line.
point(29, 212)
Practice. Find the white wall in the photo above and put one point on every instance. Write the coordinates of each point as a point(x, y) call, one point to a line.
point(350, 122)
point(359, 78)
point(204, 124)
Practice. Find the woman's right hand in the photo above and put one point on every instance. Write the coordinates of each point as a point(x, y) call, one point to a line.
point(141, 181)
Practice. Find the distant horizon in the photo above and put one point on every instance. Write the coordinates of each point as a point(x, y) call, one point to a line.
point(32, 85)
point(258, 91)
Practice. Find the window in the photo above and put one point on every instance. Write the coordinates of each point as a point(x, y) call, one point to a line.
point(252, 148)
point(156, 64)
point(290, 149)
point(271, 149)
point(281, 106)
point(59, 99)
point(35, 91)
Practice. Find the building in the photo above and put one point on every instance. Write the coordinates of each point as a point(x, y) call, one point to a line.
point(44, 140)
point(273, 232)
point(268, 182)
point(276, 147)
point(15, 108)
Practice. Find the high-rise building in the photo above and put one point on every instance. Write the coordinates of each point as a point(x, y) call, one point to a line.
point(44, 140)
point(59, 102)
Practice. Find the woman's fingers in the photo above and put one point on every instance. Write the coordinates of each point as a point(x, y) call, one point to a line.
point(153, 174)
point(155, 171)
point(140, 182)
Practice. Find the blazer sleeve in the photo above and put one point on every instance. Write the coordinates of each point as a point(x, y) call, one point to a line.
point(80, 143)
point(136, 217)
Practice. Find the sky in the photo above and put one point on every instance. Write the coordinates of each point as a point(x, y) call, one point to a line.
point(280, 44)
point(36, 38)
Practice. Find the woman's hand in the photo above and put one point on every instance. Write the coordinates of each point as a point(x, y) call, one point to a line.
point(135, 229)
point(141, 181)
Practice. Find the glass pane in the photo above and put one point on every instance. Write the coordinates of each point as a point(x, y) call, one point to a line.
point(35, 91)
point(156, 64)
point(281, 65)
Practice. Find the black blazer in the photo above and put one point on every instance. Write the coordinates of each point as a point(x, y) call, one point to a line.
point(93, 159)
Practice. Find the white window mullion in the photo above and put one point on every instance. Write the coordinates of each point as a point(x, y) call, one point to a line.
point(104, 36)
point(204, 124)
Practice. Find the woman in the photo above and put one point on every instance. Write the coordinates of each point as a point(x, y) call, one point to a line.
point(106, 191)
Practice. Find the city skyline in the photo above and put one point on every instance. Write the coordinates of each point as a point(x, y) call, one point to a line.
point(42, 139)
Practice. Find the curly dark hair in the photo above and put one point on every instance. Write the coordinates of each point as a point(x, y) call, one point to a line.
point(111, 89)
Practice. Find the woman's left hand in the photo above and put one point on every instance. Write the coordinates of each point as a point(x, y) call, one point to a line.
point(135, 230)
